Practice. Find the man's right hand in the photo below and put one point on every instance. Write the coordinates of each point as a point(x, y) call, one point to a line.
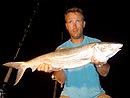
point(45, 67)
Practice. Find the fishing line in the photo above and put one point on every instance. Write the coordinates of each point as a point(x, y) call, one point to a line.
point(26, 30)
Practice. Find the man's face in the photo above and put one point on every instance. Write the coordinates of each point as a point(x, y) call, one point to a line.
point(75, 24)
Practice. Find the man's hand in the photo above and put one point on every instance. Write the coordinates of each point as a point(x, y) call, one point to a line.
point(45, 67)
point(96, 62)
point(102, 67)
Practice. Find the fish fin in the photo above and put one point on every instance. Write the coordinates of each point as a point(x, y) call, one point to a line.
point(15, 65)
point(20, 73)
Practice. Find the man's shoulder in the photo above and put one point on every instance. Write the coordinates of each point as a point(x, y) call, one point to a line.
point(92, 39)
point(63, 45)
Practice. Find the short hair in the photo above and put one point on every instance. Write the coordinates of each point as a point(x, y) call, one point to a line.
point(74, 10)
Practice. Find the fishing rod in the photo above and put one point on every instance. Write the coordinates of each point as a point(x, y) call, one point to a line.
point(26, 30)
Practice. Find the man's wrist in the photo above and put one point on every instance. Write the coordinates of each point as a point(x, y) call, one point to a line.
point(99, 66)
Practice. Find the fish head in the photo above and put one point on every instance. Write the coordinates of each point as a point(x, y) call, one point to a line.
point(106, 50)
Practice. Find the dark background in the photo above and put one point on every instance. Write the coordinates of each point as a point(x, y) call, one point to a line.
point(38, 26)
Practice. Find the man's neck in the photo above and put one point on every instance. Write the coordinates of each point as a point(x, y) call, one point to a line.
point(76, 41)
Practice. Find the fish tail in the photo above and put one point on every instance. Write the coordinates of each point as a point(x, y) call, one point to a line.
point(15, 65)
point(20, 73)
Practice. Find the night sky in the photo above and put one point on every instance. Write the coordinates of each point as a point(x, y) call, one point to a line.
point(37, 27)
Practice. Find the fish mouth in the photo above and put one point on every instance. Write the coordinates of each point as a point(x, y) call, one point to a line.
point(120, 46)
point(117, 45)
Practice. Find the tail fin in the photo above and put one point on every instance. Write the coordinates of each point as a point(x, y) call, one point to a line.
point(20, 73)
point(17, 65)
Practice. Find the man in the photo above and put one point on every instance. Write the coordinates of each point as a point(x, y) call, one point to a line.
point(82, 82)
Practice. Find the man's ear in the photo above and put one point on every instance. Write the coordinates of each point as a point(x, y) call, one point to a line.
point(66, 26)
point(84, 24)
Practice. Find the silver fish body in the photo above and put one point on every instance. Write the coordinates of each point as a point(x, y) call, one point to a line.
point(68, 57)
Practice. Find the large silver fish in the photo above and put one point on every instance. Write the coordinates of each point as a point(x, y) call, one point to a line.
point(69, 57)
